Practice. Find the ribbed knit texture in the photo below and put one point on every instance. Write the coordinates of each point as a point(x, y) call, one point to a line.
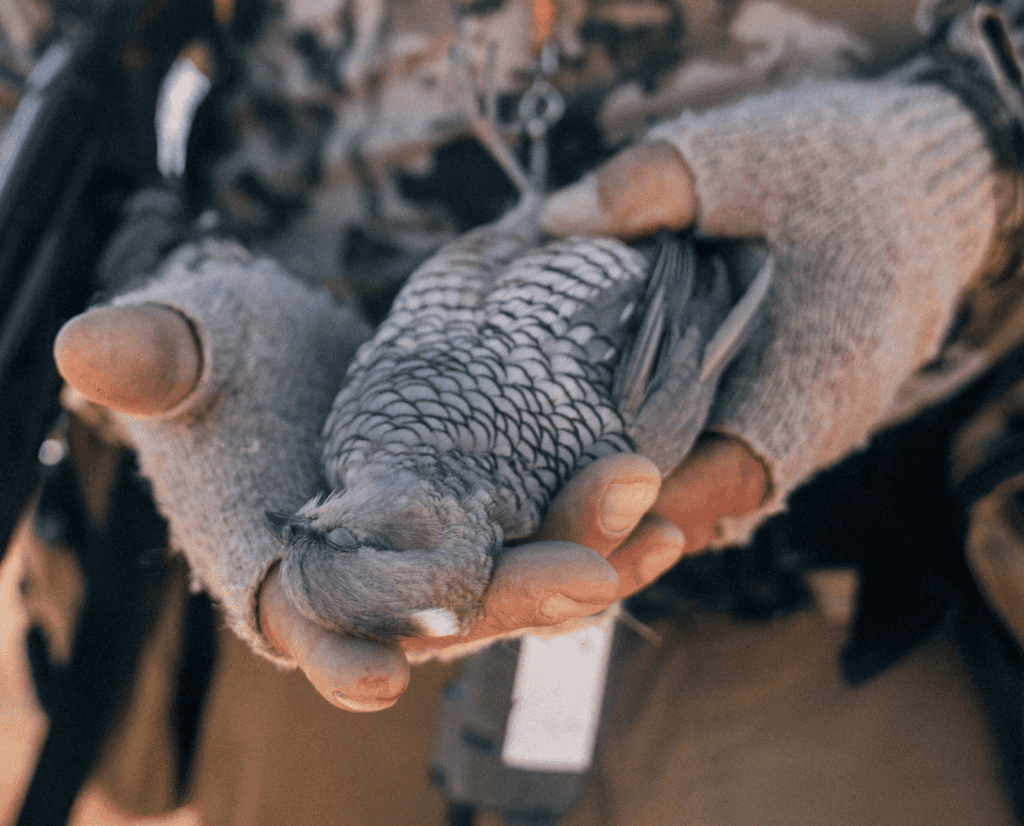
point(246, 440)
point(878, 199)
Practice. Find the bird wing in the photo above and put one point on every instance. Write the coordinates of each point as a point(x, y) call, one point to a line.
point(670, 285)
point(690, 329)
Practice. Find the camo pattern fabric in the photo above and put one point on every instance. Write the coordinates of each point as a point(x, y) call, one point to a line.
point(342, 146)
point(25, 26)
point(347, 121)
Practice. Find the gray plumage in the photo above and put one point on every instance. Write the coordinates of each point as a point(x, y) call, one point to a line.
point(502, 369)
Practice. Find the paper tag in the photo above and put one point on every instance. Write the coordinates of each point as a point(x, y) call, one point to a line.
point(556, 700)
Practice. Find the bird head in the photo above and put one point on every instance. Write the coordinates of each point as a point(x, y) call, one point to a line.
point(385, 562)
point(293, 529)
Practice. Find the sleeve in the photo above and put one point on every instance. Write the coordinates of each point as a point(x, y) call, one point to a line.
point(880, 203)
point(247, 438)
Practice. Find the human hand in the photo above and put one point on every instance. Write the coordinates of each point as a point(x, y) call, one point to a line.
point(219, 372)
point(869, 265)
point(609, 533)
point(644, 188)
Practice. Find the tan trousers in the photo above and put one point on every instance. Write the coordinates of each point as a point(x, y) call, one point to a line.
point(721, 723)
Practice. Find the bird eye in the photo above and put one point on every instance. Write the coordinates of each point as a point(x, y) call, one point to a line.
point(342, 538)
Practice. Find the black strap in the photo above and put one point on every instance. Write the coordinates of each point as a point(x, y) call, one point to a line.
point(81, 140)
point(996, 665)
point(121, 573)
point(198, 658)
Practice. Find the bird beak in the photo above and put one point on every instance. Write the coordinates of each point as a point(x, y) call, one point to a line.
point(285, 526)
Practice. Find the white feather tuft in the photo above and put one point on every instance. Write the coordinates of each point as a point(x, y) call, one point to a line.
point(437, 622)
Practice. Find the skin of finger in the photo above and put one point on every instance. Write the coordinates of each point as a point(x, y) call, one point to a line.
point(719, 478)
point(136, 360)
point(699, 537)
point(654, 547)
point(354, 674)
point(646, 188)
point(527, 575)
point(575, 514)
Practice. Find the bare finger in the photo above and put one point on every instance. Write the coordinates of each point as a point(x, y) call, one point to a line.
point(353, 674)
point(536, 585)
point(720, 478)
point(654, 547)
point(603, 503)
point(138, 360)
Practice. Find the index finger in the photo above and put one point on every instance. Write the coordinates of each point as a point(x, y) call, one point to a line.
point(603, 503)
point(604, 507)
point(536, 585)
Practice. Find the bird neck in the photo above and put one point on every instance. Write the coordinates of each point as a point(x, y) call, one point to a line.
point(485, 487)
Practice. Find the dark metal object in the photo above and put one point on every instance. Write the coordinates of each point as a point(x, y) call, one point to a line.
point(80, 141)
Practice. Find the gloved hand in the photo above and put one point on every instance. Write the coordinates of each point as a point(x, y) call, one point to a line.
point(880, 204)
point(220, 372)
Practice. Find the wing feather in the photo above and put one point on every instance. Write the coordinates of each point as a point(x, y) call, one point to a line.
point(670, 284)
point(690, 329)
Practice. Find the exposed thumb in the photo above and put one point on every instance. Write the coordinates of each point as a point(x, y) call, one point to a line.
point(140, 360)
point(644, 188)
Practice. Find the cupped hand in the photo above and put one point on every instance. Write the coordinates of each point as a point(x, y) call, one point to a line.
point(612, 530)
point(609, 533)
point(539, 583)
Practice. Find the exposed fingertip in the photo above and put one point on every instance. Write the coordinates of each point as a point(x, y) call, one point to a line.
point(645, 188)
point(649, 552)
point(137, 360)
point(559, 608)
point(576, 512)
point(663, 556)
point(590, 580)
point(347, 703)
point(576, 209)
point(625, 503)
point(356, 675)
point(529, 575)
point(721, 477)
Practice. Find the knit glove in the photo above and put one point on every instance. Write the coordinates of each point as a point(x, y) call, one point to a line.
point(880, 204)
point(244, 438)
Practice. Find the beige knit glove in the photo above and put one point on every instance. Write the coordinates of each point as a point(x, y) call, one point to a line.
point(878, 200)
point(235, 434)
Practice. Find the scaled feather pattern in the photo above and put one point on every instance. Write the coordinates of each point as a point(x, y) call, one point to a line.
point(503, 368)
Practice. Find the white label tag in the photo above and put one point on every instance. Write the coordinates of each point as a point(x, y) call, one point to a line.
point(556, 700)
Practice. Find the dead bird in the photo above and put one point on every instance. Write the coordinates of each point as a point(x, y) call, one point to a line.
point(503, 368)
